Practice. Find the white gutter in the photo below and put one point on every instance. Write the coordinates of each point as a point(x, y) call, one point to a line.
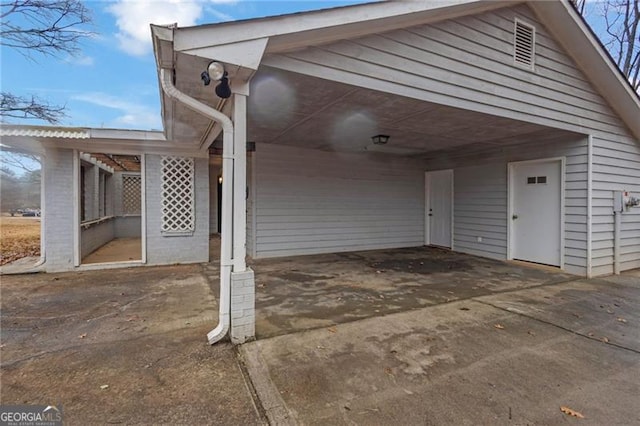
point(227, 201)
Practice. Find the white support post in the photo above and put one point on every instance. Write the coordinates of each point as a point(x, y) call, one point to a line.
point(240, 183)
point(243, 317)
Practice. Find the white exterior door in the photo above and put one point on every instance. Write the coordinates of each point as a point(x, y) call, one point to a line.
point(439, 208)
point(536, 211)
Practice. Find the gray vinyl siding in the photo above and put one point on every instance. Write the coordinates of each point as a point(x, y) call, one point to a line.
point(310, 202)
point(468, 63)
point(616, 166)
point(480, 197)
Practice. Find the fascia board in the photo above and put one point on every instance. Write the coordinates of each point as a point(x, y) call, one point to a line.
point(299, 30)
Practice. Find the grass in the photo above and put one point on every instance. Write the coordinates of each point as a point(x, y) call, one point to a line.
point(19, 237)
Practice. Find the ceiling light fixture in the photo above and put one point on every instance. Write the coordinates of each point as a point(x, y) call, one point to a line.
point(215, 71)
point(380, 139)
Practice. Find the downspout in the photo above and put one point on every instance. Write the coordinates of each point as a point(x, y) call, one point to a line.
point(43, 257)
point(227, 201)
point(590, 206)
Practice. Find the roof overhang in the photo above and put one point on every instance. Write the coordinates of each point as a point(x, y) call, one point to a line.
point(36, 139)
point(244, 43)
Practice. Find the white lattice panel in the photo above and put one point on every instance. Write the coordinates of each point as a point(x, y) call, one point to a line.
point(178, 194)
point(131, 194)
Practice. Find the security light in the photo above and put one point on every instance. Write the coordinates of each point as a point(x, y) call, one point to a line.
point(215, 71)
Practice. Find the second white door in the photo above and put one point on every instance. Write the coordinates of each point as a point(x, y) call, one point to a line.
point(439, 208)
point(536, 211)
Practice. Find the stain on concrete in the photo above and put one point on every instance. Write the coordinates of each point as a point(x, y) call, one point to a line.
point(300, 293)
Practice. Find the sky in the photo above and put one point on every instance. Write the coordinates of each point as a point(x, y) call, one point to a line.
point(112, 83)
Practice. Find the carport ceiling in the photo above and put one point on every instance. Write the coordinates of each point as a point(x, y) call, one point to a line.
point(294, 109)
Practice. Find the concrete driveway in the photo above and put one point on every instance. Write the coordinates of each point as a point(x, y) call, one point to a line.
point(418, 336)
point(306, 292)
point(516, 356)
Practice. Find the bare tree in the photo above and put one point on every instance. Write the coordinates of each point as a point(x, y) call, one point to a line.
point(621, 34)
point(29, 108)
point(46, 27)
point(27, 163)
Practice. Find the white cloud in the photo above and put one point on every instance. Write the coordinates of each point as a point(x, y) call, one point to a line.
point(134, 16)
point(132, 114)
point(85, 61)
point(219, 15)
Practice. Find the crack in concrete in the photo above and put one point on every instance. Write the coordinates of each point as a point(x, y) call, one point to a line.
point(577, 333)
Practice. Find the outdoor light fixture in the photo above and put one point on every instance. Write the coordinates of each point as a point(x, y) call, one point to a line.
point(215, 71)
point(380, 139)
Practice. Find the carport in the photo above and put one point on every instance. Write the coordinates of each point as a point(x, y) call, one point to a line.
point(465, 126)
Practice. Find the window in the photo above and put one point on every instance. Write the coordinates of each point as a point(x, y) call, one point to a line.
point(96, 191)
point(83, 191)
point(532, 180)
point(131, 194)
point(524, 44)
point(178, 195)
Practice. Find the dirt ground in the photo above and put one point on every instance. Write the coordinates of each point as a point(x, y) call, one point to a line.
point(19, 237)
point(123, 346)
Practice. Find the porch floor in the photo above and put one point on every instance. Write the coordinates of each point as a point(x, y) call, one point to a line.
point(307, 292)
point(117, 250)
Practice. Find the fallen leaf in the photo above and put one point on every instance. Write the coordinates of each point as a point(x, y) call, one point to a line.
point(568, 411)
point(622, 320)
point(320, 347)
point(499, 326)
point(531, 333)
point(82, 336)
point(609, 311)
point(606, 340)
point(590, 334)
point(103, 387)
point(577, 315)
point(388, 371)
point(332, 329)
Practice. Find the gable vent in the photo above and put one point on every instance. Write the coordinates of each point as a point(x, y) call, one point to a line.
point(524, 44)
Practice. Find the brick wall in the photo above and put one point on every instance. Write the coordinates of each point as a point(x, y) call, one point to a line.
point(169, 249)
point(243, 311)
point(58, 211)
